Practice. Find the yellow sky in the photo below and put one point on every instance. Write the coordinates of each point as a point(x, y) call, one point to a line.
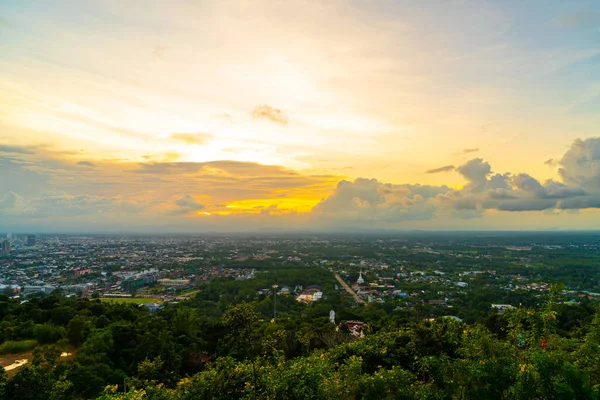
point(319, 90)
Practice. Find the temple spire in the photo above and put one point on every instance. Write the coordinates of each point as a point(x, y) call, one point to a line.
point(360, 279)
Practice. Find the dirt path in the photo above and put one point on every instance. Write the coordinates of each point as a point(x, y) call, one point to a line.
point(349, 289)
point(187, 296)
point(12, 362)
point(16, 364)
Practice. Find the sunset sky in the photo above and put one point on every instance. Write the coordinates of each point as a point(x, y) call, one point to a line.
point(201, 116)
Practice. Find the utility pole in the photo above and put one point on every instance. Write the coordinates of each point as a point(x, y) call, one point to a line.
point(275, 302)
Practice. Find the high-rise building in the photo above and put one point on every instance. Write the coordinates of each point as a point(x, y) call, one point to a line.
point(31, 240)
point(5, 248)
point(9, 236)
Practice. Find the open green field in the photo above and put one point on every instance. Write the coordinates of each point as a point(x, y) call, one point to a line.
point(134, 300)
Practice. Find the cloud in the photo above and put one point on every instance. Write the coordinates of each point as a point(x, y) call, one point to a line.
point(232, 190)
point(217, 177)
point(551, 162)
point(468, 151)
point(267, 210)
point(270, 113)
point(16, 175)
point(441, 169)
point(16, 149)
point(476, 172)
point(12, 203)
point(191, 138)
point(580, 166)
point(187, 205)
point(55, 204)
point(371, 200)
point(374, 201)
point(579, 188)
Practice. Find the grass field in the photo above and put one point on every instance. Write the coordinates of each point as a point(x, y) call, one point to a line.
point(134, 300)
point(20, 346)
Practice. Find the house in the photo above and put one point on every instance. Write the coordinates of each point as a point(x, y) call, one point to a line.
point(453, 317)
point(437, 303)
point(308, 296)
point(152, 307)
point(284, 290)
point(501, 308)
point(356, 328)
point(174, 282)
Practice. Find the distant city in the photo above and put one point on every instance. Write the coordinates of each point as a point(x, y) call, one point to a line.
point(422, 270)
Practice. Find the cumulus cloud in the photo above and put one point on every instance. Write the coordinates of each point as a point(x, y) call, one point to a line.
point(187, 205)
point(371, 200)
point(476, 172)
point(446, 168)
point(579, 189)
point(270, 113)
point(580, 166)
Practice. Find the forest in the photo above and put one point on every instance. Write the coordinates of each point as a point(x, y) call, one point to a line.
point(239, 351)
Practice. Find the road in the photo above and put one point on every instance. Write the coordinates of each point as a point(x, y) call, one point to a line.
point(349, 289)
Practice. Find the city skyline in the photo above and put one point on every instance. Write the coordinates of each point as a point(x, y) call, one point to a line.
point(299, 115)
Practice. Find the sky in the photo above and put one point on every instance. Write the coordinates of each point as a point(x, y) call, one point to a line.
point(337, 115)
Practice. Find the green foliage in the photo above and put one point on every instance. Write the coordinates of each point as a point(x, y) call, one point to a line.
point(49, 333)
point(78, 329)
point(150, 370)
point(3, 383)
point(200, 350)
point(20, 346)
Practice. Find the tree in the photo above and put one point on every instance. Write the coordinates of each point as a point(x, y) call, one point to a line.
point(3, 382)
point(149, 370)
point(240, 321)
point(30, 383)
point(77, 330)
